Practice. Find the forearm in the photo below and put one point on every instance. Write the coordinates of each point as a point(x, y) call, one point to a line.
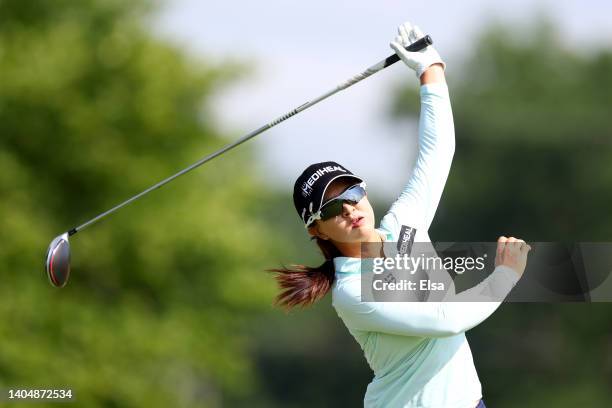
point(423, 319)
point(494, 288)
point(436, 148)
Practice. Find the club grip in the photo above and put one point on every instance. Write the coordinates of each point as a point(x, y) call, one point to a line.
point(420, 44)
point(415, 46)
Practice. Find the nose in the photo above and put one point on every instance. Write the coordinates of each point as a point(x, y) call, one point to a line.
point(347, 209)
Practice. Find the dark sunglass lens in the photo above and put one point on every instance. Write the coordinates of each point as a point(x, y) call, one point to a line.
point(331, 209)
point(334, 207)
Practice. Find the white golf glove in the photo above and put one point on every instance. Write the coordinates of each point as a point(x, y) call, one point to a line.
point(420, 60)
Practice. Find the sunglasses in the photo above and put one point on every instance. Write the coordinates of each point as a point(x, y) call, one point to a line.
point(351, 195)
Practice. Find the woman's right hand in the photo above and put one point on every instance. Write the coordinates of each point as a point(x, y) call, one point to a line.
point(512, 252)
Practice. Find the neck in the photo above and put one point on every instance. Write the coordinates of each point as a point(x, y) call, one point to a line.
point(359, 250)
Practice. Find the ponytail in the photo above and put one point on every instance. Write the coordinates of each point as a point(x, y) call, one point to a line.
point(304, 285)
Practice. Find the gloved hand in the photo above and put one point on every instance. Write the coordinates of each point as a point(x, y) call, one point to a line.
point(420, 60)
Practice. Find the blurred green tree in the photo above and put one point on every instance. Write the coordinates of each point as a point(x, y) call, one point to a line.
point(93, 109)
point(533, 128)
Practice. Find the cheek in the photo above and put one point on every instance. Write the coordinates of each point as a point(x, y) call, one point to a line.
point(331, 229)
point(365, 207)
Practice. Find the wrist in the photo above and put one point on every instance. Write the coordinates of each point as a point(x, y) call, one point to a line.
point(513, 271)
point(433, 73)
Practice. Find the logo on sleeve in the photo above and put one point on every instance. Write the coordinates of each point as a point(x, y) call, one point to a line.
point(405, 240)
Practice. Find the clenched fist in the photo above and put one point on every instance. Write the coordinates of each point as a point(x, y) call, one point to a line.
point(512, 252)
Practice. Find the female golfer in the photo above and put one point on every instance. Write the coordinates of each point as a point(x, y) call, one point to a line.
point(417, 350)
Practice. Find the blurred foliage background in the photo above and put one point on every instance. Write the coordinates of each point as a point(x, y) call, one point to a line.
point(94, 108)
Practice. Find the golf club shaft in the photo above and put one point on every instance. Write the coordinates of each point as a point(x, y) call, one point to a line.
point(416, 46)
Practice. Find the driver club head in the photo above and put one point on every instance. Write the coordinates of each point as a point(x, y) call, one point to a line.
point(58, 261)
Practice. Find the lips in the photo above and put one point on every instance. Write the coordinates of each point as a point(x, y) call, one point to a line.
point(357, 222)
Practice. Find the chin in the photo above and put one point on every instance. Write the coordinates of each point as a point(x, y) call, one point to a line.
point(365, 231)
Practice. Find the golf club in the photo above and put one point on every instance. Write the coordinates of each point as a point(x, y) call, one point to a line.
point(58, 255)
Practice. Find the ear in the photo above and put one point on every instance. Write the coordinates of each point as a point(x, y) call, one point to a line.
point(314, 232)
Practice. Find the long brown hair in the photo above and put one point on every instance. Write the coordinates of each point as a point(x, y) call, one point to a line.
point(303, 285)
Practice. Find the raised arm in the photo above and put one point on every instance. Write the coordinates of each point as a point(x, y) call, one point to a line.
point(422, 193)
point(417, 203)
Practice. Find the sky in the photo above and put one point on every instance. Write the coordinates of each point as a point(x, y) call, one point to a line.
point(299, 50)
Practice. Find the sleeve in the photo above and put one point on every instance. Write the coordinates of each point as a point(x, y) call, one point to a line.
point(427, 319)
point(417, 203)
point(494, 288)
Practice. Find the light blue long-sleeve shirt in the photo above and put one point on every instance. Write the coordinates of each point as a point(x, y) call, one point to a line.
point(418, 350)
